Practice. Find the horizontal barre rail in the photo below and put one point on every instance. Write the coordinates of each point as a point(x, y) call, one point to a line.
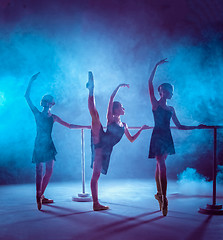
point(205, 127)
point(211, 209)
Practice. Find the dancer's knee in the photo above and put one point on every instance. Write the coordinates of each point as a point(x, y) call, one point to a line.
point(95, 176)
point(39, 170)
point(161, 165)
point(49, 169)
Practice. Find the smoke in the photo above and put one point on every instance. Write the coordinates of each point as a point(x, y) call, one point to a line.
point(119, 42)
point(201, 185)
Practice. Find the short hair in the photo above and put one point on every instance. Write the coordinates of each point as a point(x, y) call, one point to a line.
point(47, 99)
point(166, 86)
point(116, 105)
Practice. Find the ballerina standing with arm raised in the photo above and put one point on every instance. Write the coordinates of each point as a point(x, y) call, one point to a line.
point(103, 142)
point(44, 149)
point(161, 144)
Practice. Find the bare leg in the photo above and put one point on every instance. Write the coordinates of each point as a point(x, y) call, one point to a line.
point(48, 174)
point(94, 181)
point(163, 181)
point(162, 173)
point(96, 175)
point(157, 178)
point(96, 126)
point(158, 196)
point(39, 180)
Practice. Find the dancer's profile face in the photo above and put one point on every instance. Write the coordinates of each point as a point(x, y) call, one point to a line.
point(120, 110)
point(166, 93)
point(47, 104)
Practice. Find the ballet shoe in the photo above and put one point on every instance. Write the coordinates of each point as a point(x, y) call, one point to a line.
point(90, 83)
point(46, 200)
point(99, 207)
point(158, 197)
point(39, 202)
point(164, 206)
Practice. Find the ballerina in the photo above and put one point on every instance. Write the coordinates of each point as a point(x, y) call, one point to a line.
point(161, 144)
point(44, 149)
point(103, 142)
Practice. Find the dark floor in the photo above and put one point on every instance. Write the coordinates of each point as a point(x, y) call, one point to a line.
point(133, 213)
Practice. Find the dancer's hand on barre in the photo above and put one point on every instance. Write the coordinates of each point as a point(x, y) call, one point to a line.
point(162, 62)
point(200, 126)
point(144, 127)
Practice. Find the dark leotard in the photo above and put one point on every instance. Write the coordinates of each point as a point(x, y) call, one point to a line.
point(44, 149)
point(107, 141)
point(161, 140)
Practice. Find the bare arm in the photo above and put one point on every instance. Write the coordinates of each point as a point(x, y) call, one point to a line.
point(71, 126)
point(27, 94)
point(180, 126)
point(150, 84)
point(132, 138)
point(110, 105)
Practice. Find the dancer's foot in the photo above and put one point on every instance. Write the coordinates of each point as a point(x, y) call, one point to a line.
point(39, 202)
point(158, 197)
point(90, 83)
point(46, 200)
point(164, 206)
point(99, 207)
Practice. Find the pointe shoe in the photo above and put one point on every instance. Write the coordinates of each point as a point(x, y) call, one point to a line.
point(99, 207)
point(164, 206)
point(39, 202)
point(90, 83)
point(46, 200)
point(158, 197)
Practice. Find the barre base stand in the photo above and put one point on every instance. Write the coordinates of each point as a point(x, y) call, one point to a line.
point(212, 209)
point(82, 197)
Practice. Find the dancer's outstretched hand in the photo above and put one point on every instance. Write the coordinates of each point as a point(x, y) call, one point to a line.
point(162, 62)
point(34, 77)
point(124, 85)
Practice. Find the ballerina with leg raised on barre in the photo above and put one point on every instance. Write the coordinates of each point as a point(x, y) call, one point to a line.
point(103, 142)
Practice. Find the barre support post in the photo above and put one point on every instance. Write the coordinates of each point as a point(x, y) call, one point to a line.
point(83, 197)
point(214, 209)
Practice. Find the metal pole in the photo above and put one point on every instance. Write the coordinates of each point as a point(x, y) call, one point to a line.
point(82, 197)
point(213, 209)
point(83, 160)
point(215, 166)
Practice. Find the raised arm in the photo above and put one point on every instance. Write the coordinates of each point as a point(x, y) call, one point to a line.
point(110, 105)
point(180, 126)
point(132, 138)
point(71, 126)
point(150, 83)
point(27, 94)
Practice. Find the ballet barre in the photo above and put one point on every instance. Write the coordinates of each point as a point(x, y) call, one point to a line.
point(211, 209)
